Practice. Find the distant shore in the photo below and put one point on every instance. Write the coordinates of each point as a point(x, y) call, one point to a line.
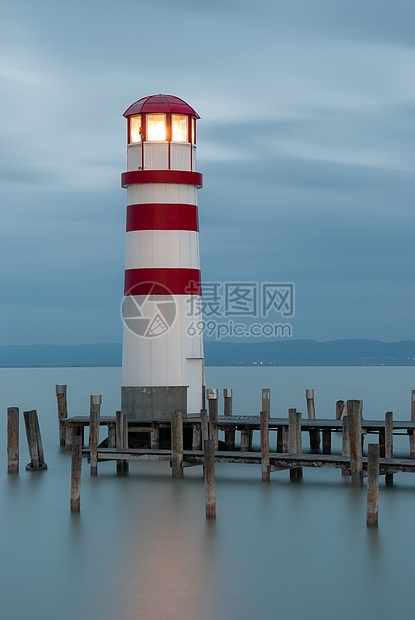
point(358, 352)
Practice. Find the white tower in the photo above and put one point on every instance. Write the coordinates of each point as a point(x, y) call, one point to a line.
point(162, 365)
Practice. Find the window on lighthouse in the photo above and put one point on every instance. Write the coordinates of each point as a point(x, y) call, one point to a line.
point(178, 128)
point(135, 123)
point(156, 127)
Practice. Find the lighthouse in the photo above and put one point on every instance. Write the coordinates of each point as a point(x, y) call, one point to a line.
point(162, 361)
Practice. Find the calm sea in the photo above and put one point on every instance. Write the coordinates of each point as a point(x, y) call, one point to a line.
point(142, 549)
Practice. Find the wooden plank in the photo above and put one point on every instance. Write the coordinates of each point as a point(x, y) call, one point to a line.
point(76, 469)
point(373, 485)
point(13, 440)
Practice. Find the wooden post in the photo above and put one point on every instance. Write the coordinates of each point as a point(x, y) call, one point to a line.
point(177, 444)
point(94, 416)
point(345, 444)
point(339, 409)
point(266, 401)
point(299, 443)
point(62, 412)
point(389, 443)
point(373, 484)
point(126, 462)
point(279, 439)
point(112, 441)
point(120, 439)
point(210, 482)
point(227, 410)
point(196, 437)
point(213, 415)
point(227, 401)
point(412, 433)
point(327, 441)
point(292, 440)
point(382, 438)
point(245, 439)
point(29, 418)
point(354, 413)
point(204, 427)
point(154, 438)
point(76, 469)
point(285, 433)
point(311, 412)
point(265, 446)
point(13, 440)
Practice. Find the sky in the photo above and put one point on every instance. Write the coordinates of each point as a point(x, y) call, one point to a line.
point(306, 143)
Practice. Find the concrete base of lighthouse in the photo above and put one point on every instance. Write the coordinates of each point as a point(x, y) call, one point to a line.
point(153, 403)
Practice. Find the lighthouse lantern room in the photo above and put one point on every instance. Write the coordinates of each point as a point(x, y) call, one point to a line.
point(162, 365)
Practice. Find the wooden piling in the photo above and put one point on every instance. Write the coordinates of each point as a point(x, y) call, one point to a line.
point(196, 438)
point(204, 427)
point(327, 441)
point(265, 446)
point(339, 409)
point(412, 433)
point(245, 437)
point(299, 442)
point(210, 482)
point(293, 440)
point(373, 484)
point(311, 412)
point(227, 410)
point(177, 444)
point(227, 401)
point(126, 462)
point(119, 438)
point(345, 444)
point(154, 438)
point(389, 443)
point(30, 424)
point(213, 415)
point(94, 416)
point(62, 412)
point(266, 401)
point(76, 469)
point(12, 440)
point(354, 413)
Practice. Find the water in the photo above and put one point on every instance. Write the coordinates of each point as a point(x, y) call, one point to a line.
point(141, 547)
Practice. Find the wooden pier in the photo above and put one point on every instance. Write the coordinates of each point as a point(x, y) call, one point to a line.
point(286, 435)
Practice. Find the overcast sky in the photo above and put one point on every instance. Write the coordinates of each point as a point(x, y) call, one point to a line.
point(306, 143)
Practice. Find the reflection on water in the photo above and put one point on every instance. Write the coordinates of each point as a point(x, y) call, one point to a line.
point(141, 547)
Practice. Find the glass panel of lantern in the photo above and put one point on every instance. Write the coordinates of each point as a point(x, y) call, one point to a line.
point(179, 128)
point(156, 127)
point(135, 123)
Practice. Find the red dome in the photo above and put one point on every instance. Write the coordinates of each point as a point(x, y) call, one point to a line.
point(160, 103)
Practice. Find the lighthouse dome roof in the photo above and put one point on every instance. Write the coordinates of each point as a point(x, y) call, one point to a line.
point(160, 104)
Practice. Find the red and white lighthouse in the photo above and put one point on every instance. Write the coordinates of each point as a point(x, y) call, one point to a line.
point(162, 365)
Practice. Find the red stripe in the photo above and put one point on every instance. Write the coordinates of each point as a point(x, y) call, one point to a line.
point(156, 281)
point(161, 216)
point(161, 176)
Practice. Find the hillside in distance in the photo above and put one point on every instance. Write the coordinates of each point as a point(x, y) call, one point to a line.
point(271, 353)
